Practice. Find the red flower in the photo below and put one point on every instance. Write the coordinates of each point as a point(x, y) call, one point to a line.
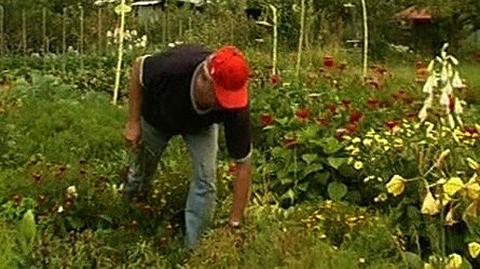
point(407, 99)
point(323, 121)
point(275, 80)
point(352, 128)
point(332, 108)
point(399, 95)
point(419, 64)
point(355, 116)
point(346, 103)
point(392, 124)
point(302, 114)
point(266, 119)
point(341, 132)
point(290, 142)
point(328, 61)
point(373, 102)
point(471, 130)
point(411, 115)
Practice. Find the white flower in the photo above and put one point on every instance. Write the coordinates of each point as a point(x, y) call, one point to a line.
point(60, 209)
point(444, 74)
point(422, 115)
point(429, 84)
point(457, 81)
point(72, 190)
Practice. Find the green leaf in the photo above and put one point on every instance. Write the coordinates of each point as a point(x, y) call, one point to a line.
point(309, 157)
point(331, 145)
point(123, 8)
point(336, 162)
point(413, 260)
point(312, 169)
point(466, 264)
point(322, 177)
point(290, 194)
point(337, 190)
point(27, 230)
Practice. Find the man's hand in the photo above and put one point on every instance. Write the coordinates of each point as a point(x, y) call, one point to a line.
point(132, 134)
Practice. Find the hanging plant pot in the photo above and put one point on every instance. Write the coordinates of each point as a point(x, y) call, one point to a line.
point(328, 61)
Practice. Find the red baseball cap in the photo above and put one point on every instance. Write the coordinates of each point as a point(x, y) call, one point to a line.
point(229, 71)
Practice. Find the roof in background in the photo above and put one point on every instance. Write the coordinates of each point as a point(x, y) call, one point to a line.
point(414, 13)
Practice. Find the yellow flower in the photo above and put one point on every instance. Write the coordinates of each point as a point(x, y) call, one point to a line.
point(473, 188)
point(358, 165)
point(473, 164)
point(396, 185)
point(471, 210)
point(428, 266)
point(449, 219)
point(430, 205)
point(356, 140)
point(452, 186)
point(474, 249)
point(454, 261)
point(367, 142)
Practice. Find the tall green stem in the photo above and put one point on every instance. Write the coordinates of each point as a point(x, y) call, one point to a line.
point(120, 53)
point(275, 39)
point(365, 38)
point(44, 30)
point(300, 39)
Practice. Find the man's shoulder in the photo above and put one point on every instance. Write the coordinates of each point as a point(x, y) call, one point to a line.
point(183, 51)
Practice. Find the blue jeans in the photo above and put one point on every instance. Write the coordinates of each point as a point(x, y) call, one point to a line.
point(201, 202)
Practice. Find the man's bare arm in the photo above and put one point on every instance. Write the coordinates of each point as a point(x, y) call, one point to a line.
point(132, 132)
point(241, 191)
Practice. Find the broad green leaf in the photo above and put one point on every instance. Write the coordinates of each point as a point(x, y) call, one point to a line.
point(27, 230)
point(337, 190)
point(309, 157)
point(123, 8)
point(322, 177)
point(303, 186)
point(331, 145)
point(315, 167)
point(336, 162)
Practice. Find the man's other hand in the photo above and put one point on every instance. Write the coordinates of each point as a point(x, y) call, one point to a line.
point(132, 134)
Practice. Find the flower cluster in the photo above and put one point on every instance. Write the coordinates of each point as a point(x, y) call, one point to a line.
point(443, 81)
point(131, 38)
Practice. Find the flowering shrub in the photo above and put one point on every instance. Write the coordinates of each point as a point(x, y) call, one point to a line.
point(427, 172)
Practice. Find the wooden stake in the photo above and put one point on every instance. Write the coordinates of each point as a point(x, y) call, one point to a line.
point(300, 39)
point(365, 38)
